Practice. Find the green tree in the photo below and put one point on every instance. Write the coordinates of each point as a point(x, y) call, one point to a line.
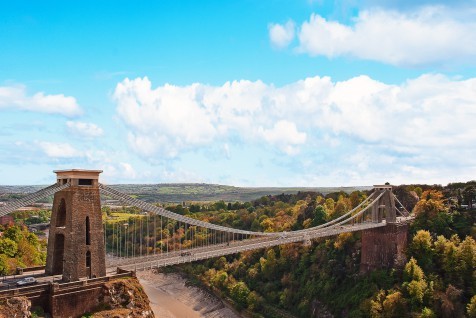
point(254, 301)
point(220, 205)
point(14, 233)
point(421, 249)
point(239, 292)
point(376, 305)
point(3, 264)
point(320, 216)
point(427, 313)
point(8, 247)
point(415, 284)
point(467, 264)
point(471, 307)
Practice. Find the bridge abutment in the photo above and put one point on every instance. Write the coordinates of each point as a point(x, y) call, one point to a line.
point(384, 247)
point(76, 239)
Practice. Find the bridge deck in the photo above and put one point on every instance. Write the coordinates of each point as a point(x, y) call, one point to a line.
point(196, 254)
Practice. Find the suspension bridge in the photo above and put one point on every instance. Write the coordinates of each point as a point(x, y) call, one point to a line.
point(83, 244)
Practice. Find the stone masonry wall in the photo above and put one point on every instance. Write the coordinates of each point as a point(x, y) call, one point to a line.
point(383, 247)
point(81, 202)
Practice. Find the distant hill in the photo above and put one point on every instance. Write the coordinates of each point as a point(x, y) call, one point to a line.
point(179, 192)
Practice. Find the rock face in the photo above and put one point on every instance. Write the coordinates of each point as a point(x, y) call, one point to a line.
point(18, 307)
point(124, 298)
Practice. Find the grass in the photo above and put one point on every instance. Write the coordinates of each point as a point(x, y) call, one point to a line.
point(116, 217)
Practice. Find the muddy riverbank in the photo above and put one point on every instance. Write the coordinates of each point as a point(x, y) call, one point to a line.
point(170, 297)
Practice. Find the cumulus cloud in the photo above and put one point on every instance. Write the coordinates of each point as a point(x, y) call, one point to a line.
point(82, 129)
point(424, 36)
point(58, 150)
point(421, 115)
point(15, 97)
point(170, 119)
point(281, 35)
point(165, 119)
point(285, 135)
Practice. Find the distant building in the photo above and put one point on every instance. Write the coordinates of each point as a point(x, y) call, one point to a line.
point(6, 220)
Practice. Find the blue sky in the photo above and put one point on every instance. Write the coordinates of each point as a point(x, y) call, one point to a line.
point(250, 93)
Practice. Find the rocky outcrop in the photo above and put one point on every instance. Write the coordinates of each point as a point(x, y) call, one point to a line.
point(15, 307)
point(124, 298)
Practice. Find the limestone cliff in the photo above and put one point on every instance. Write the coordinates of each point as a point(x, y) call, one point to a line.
point(124, 298)
point(17, 307)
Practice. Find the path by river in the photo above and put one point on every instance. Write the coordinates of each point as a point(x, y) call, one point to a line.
point(171, 298)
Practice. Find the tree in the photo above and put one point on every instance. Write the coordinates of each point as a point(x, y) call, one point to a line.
point(320, 216)
point(413, 271)
point(469, 195)
point(427, 313)
point(415, 283)
point(341, 207)
point(431, 213)
point(14, 233)
point(3, 264)
point(471, 307)
point(239, 292)
point(329, 205)
point(394, 305)
point(467, 264)
point(430, 204)
point(450, 302)
point(421, 249)
point(356, 198)
point(254, 301)
point(376, 305)
point(8, 247)
point(219, 280)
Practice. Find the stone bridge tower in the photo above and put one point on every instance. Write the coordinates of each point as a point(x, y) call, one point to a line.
point(385, 206)
point(76, 239)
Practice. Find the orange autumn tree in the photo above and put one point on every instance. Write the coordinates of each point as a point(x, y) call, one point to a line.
point(432, 214)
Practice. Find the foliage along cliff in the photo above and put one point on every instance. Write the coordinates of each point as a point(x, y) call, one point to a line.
point(20, 248)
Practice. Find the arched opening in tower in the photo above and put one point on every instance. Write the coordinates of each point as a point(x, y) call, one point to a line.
point(88, 232)
point(58, 256)
point(61, 215)
point(88, 259)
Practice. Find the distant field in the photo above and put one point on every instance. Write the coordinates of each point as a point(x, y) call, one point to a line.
point(179, 192)
point(119, 217)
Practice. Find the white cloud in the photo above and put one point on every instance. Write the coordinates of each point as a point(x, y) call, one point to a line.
point(168, 116)
point(427, 35)
point(285, 135)
point(281, 35)
point(418, 125)
point(16, 97)
point(170, 119)
point(87, 130)
point(58, 150)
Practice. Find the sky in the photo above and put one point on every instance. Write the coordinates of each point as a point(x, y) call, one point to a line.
point(244, 93)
